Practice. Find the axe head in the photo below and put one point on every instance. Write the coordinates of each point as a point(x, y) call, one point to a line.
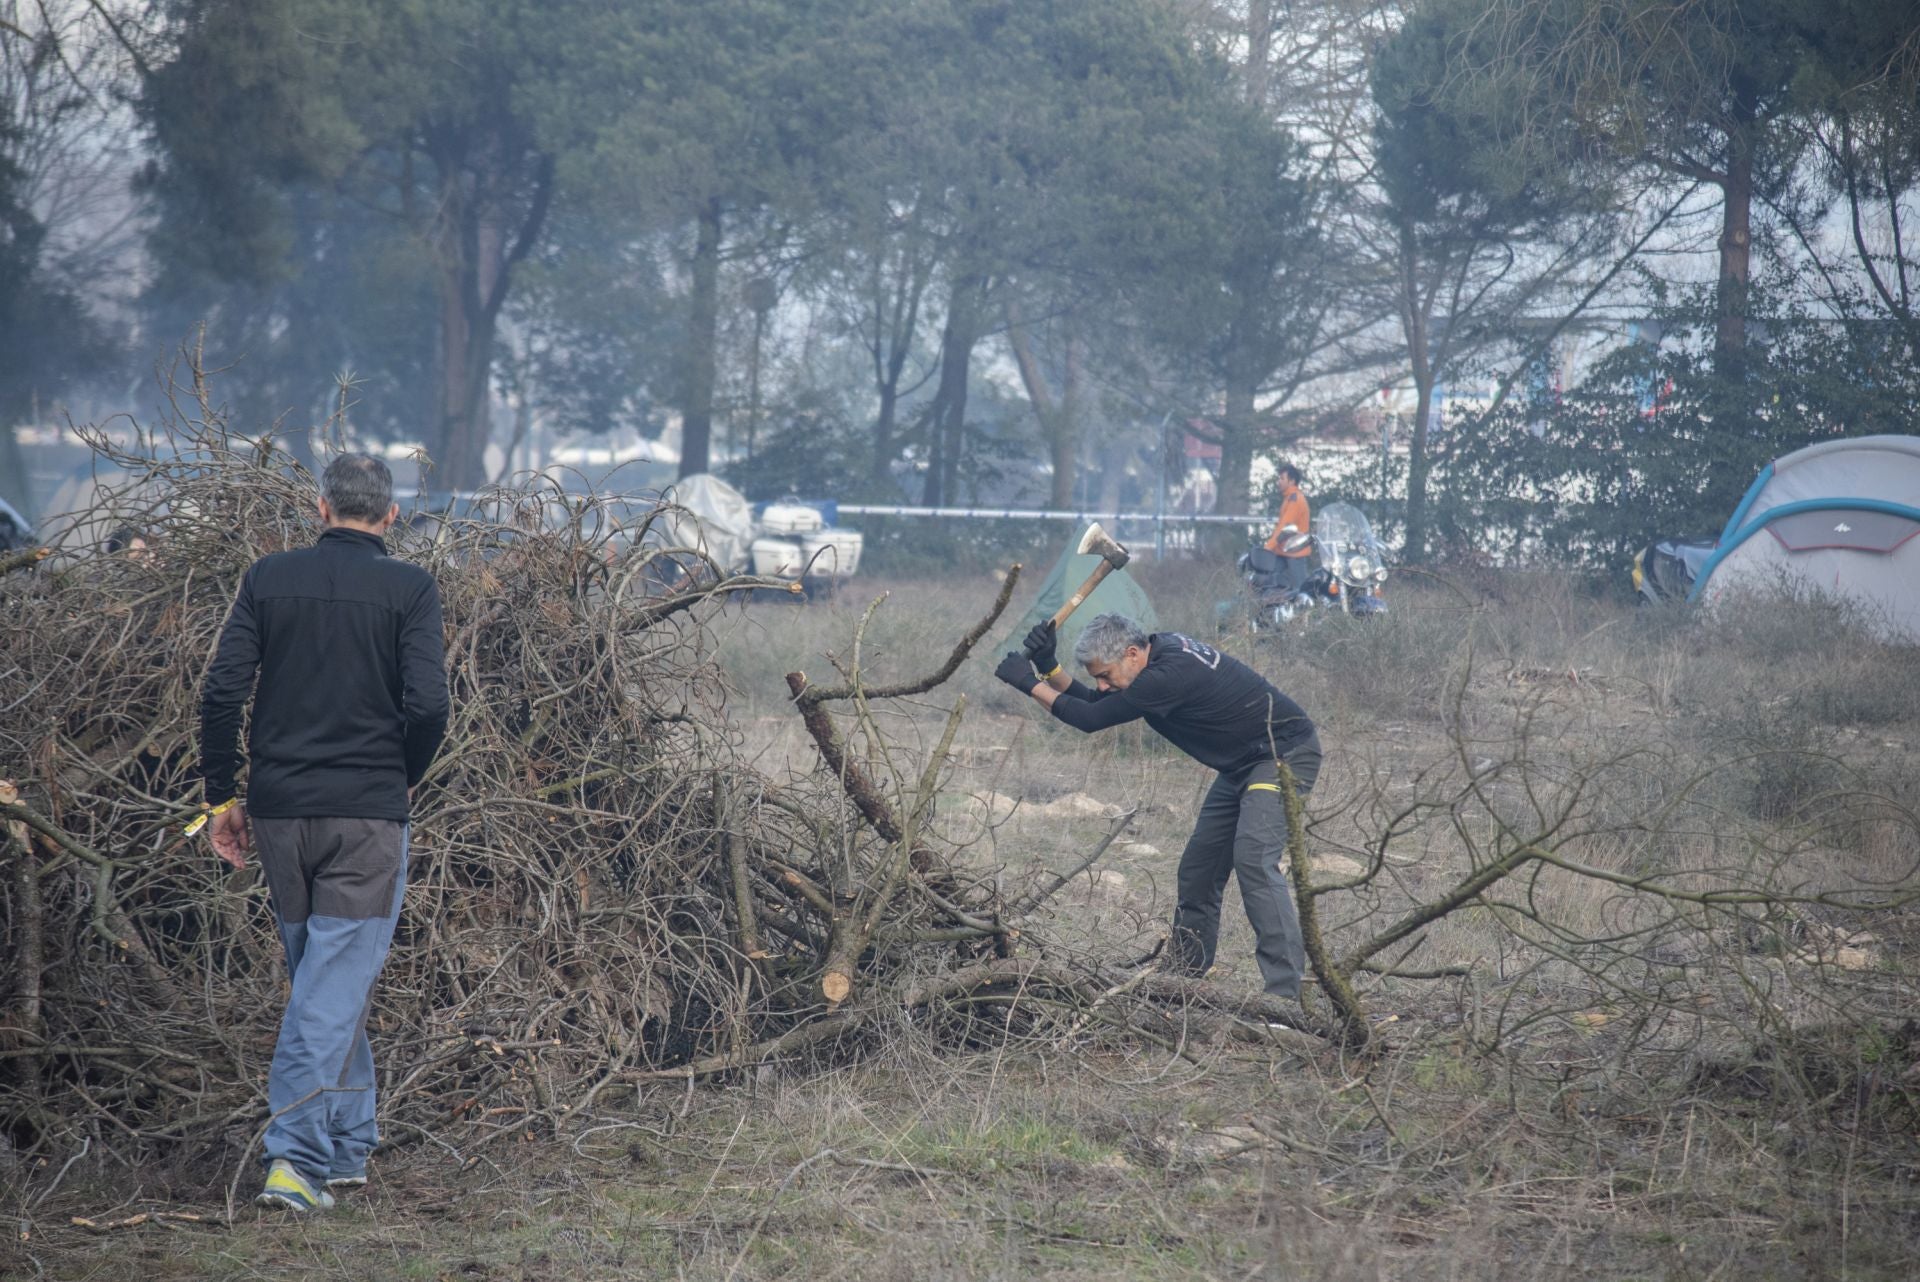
point(1101, 544)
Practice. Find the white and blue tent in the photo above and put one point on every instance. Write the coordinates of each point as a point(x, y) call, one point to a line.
point(1839, 517)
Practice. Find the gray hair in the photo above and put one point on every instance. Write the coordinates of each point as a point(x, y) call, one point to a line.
point(358, 487)
point(1107, 638)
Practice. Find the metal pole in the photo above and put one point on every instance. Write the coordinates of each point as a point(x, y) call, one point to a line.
point(753, 381)
point(1386, 451)
point(1160, 496)
point(762, 293)
point(1047, 514)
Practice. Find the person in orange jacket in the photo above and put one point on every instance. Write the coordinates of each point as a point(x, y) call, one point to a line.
point(1294, 512)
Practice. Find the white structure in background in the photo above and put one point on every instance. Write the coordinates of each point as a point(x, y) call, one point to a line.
point(795, 541)
point(790, 541)
point(606, 452)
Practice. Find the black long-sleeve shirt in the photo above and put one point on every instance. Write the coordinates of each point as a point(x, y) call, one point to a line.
point(351, 699)
point(1209, 705)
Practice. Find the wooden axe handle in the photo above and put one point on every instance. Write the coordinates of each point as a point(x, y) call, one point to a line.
point(1100, 572)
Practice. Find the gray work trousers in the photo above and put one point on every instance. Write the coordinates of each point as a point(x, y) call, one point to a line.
point(1242, 830)
point(1295, 571)
point(336, 886)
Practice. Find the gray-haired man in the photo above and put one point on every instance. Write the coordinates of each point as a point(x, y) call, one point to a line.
point(1225, 715)
point(349, 707)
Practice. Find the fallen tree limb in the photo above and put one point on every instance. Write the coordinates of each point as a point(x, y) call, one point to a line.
point(22, 557)
point(853, 930)
point(853, 777)
point(954, 985)
point(920, 685)
point(135, 1221)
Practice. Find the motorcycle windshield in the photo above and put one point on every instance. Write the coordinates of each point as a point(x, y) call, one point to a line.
point(1344, 524)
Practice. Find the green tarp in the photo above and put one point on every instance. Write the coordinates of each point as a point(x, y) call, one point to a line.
point(1117, 594)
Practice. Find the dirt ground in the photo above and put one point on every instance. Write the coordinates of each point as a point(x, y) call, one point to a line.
point(1527, 1118)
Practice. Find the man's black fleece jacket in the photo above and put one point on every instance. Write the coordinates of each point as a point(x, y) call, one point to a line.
point(351, 702)
point(1209, 705)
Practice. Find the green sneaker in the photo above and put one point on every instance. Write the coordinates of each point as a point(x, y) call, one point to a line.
point(287, 1188)
point(353, 1180)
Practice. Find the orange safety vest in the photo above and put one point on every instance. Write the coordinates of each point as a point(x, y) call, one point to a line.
point(1293, 511)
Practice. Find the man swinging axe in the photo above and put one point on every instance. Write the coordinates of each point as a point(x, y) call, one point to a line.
point(1224, 715)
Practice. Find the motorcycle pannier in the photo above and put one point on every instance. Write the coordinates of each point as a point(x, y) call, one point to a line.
point(1266, 568)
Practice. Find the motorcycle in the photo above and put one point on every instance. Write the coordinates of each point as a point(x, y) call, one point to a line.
point(1348, 567)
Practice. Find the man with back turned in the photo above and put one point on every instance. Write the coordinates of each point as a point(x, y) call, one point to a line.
point(340, 648)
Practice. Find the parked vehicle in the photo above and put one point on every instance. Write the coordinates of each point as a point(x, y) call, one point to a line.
point(1348, 567)
point(797, 542)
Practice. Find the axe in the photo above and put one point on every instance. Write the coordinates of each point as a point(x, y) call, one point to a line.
point(1112, 557)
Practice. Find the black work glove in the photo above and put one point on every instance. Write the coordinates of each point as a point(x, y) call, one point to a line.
point(1017, 672)
point(1040, 646)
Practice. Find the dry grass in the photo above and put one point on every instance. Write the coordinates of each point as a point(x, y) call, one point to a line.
point(1618, 1088)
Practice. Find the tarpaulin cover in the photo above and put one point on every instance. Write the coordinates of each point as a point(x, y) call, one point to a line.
point(718, 520)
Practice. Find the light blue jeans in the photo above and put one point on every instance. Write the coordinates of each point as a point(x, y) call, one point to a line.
point(336, 886)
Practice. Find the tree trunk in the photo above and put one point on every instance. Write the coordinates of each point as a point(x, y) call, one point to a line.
point(1065, 437)
point(1259, 51)
point(1419, 467)
point(468, 331)
point(1736, 249)
point(947, 416)
point(1413, 321)
point(895, 322)
point(470, 264)
point(1236, 446)
point(1057, 413)
point(476, 256)
point(22, 1006)
point(703, 335)
point(465, 407)
point(456, 333)
point(1234, 493)
point(936, 444)
point(884, 431)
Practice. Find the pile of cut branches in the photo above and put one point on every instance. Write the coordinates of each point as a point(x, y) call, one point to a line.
point(601, 890)
point(599, 887)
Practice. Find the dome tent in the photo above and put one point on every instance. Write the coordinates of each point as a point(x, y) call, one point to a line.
point(1118, 593)
point(1840, 517)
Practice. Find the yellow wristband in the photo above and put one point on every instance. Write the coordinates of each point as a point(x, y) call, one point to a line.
point(207, 812)
point(1048, 676)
